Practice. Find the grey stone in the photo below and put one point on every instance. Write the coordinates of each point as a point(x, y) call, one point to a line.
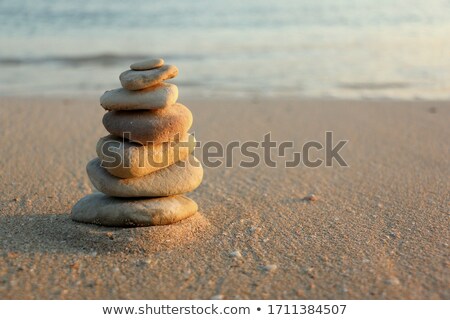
point(138, 80)
point(147, 64)
point(101, 209)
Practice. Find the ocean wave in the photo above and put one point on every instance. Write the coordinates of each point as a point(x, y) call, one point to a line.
point(104, 59)
point(374, 85)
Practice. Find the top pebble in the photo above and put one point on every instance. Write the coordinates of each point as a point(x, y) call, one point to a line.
point(147, 64)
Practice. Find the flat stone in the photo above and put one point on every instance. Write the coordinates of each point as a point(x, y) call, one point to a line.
point(138, 80)
point(101, 209)
point(147, 64)
point(159, 96)
point(126, 159)
point(149, 126)
point(178, 178)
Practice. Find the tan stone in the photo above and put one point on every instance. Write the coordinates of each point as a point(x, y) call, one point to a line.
point(147, 64)
point(108, 211)
point(126, 159)
point(149, 126)
point(138, 80)
point(159, 96)
point(178, 178)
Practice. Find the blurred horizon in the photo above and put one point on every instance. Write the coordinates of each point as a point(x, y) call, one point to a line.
point(303, 48)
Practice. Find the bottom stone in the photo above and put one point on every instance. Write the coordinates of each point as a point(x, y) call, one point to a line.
point(101, 209)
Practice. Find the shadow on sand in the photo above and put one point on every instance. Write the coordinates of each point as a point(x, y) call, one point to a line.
point(57, 233)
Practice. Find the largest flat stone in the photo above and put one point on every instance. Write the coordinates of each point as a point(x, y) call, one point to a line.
point(149, 126)
point(138, 80)
point(101, 209)
point(159, 96)
point(178, 178)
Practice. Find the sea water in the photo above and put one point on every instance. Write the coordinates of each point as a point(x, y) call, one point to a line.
point(300, 48)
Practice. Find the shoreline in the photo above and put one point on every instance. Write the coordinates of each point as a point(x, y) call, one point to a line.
point(224, 97)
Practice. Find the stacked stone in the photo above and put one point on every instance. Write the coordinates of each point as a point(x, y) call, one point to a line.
point(146, 163)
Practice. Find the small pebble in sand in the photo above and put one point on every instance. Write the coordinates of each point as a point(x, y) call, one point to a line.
point(380, 205)
point(143, 263)
point(311, 197)
point(236, 254)
point(217, 297)
point(392, 235)
point(311, 272)
point(392, 281)
point(253, 229)
point(269, 267)
point(110, 235)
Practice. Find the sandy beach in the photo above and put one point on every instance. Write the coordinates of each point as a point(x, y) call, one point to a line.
point(379, 229)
